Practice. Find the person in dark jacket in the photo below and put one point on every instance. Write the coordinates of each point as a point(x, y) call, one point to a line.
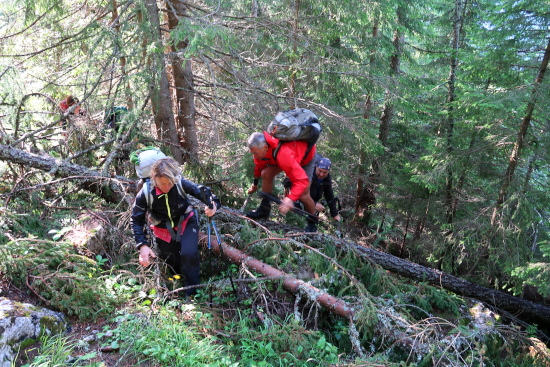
point(321, 185)
point(173, 218)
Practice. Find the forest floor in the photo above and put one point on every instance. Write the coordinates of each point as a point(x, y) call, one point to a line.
point(105, 357)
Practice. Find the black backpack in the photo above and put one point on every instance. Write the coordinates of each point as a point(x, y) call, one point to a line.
point(296, 124)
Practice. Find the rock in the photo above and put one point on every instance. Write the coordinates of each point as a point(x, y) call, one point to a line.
point(22, 324)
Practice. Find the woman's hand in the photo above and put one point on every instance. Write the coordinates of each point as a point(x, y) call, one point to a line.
point(210, 212)
point(145, 253)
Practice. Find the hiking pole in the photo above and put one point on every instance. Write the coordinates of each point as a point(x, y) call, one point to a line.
point(209, 257)
point(337, 202)
point(153, 245)
point(298, 211)
point(246, 202)
point(212, 223)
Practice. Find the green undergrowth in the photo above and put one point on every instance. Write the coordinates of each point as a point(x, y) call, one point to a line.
point(64, 279)
point(187, 336)
point(57, 350)
point(402, 320)
point(255, 321)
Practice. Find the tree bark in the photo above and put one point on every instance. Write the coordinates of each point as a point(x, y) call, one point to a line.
point(161, 99)
point(527, 310)
point(185, 90)
point(111, 189)
point(294, 58)
point(451, 97)
point(514, 156)
point(124, 79)
point(290, 283)
point(366, 195)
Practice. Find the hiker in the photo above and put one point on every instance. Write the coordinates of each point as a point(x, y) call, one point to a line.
point(289, 159)
point(113, 116)
point(175, 220)
point(321, 185)
point(69, 101)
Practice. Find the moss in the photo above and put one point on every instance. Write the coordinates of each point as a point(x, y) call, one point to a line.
point(52, 324)
point(27, 343)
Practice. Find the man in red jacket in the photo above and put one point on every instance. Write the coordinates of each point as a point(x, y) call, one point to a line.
point(290, 157)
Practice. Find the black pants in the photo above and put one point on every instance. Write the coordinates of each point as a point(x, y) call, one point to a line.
point(184, 256)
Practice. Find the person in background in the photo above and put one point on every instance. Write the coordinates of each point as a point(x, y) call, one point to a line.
point(69, 101)
point(321, 186)
point(174, 221)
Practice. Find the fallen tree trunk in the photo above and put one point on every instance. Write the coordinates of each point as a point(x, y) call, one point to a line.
point(290, 283)
point(111, 189)
point(523, 309)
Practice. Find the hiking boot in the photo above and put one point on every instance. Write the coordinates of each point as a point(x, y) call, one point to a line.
point(262, 212)
point(311, 227)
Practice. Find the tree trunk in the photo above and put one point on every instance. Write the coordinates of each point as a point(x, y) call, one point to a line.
point(111, 189)
point(364, 194)
point(523, 309)
point(514, 156)
point(127, 90)
point(294, 57)
point(451, 97)
point(526, 310)
point(291, 284)
point(160, 98)
point(185, 89)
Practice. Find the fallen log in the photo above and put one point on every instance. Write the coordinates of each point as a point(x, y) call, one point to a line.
point(290, 283)
point(110, 188)
point(523, 309)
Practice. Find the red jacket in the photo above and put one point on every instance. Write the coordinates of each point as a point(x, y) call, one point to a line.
point(63, 105)
point(290, 158)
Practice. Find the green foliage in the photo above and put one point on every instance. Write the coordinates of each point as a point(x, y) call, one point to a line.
point(536, 275)
point(166, 340)
point(426, 300)
point(284, 343)
point(70, 282)
point(56, 350)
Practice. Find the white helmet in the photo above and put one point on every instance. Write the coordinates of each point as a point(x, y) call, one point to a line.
point(146, 160)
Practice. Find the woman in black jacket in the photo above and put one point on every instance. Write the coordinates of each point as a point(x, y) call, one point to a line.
point(173, 219)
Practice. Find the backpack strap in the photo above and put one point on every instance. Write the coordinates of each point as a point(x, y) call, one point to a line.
point(276, 150)
point(309, 148)
point(148, 194)
point(181, 191)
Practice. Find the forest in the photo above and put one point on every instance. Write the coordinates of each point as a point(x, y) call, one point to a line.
point(435, 117)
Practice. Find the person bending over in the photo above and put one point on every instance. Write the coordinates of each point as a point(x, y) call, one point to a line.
point(290, 158)
point(173, 218)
